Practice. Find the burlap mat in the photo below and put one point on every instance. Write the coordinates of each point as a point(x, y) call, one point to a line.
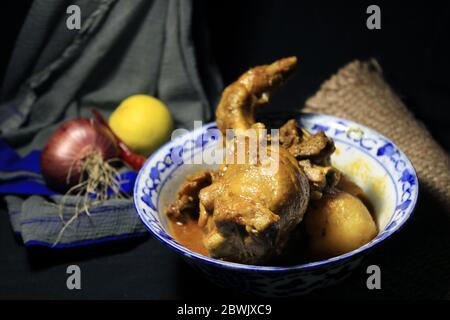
point(359, 92)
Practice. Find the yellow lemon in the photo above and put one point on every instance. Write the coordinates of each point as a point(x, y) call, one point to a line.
point(143, 122)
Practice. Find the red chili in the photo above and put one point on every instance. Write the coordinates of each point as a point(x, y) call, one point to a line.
point(134, 160)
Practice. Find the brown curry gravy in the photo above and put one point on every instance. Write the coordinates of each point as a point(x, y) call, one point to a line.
point(189, 234)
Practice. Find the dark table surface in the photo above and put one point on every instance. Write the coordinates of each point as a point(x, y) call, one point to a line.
point(411, 47)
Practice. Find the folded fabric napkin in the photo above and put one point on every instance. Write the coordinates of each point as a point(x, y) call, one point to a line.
point(37, 220)
point(56, 74)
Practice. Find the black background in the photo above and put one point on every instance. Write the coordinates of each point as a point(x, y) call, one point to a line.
point(412, 49)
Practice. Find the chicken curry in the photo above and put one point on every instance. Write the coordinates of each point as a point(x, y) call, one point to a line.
point(245, 213)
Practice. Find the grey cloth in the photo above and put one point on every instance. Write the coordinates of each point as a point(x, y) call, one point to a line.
point(122, 48)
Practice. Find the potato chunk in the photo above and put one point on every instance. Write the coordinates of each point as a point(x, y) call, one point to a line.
point(338, 223)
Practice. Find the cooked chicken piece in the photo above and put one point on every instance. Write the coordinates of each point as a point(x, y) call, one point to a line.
point(304, 145)
point(321, 178)
point(248, 212)
point(313, 153)
point(187, 203)
point(290, 135)
point(254, 88)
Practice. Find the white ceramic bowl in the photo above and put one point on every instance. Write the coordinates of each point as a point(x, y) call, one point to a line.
point(372, 160)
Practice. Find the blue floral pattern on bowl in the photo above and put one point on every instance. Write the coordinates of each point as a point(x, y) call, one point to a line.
point(272, 280)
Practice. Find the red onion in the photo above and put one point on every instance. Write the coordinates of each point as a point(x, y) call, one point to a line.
point(73, 143)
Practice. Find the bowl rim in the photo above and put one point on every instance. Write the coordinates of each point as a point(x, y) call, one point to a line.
point(173, 244)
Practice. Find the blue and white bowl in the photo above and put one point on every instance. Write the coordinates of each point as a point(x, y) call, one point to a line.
point(372, 160)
